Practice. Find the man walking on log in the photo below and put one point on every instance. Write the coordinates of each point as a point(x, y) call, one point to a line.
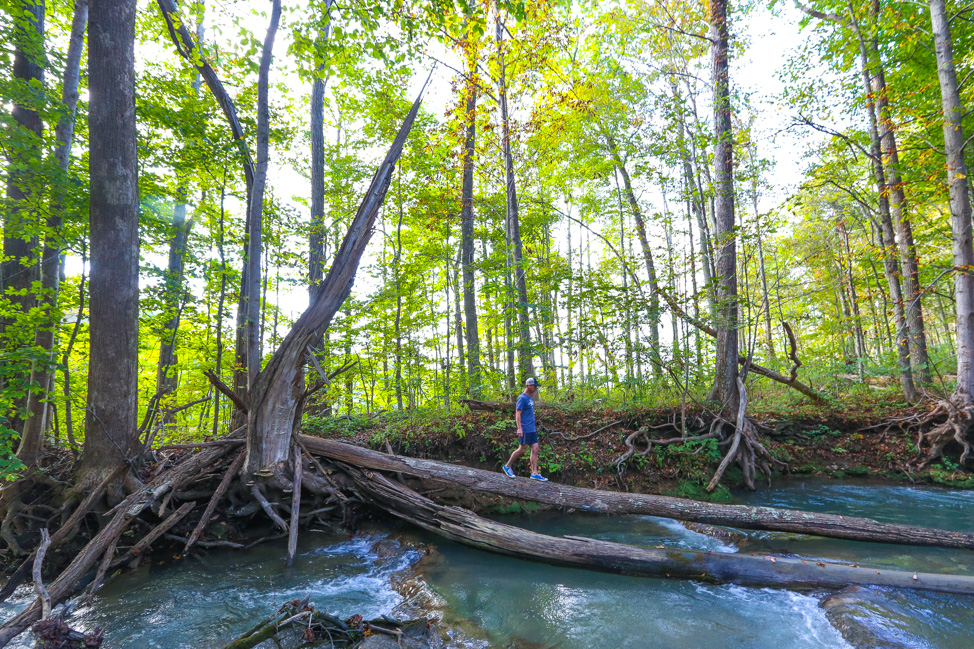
point(527, 432)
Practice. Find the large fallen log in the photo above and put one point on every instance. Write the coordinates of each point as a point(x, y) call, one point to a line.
point(465, 527)
point(612, 502)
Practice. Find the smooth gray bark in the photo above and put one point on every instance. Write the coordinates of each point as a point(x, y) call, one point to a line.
point(890, 261)
point(467, 236)
point(317, 240)
point(960, 203)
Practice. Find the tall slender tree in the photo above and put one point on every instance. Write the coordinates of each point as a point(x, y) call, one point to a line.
point(248, 307)
point(725, 377)
point(467, 219)
point(518, 266)
point(317, 242)
point(21, 223)
point(42, 374)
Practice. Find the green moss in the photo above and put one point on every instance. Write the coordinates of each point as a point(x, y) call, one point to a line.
point(515, 507)
point(694, 490)
point(809, 467)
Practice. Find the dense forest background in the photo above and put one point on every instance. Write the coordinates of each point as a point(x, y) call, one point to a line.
point(557, 211)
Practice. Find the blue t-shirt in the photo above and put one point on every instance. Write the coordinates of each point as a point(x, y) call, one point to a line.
point(526, 405)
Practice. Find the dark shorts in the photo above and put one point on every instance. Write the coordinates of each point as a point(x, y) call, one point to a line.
point(529, 438)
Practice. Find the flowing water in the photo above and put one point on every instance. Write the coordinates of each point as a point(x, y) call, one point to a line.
point(497, 601)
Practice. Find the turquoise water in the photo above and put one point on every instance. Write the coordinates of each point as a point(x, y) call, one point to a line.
point(495, 601)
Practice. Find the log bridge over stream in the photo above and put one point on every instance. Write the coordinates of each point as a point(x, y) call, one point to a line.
point(317, 462)
point(463, 526)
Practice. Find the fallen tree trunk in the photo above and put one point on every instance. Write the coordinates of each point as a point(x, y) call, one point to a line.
point(465, 527)
point(611, 502)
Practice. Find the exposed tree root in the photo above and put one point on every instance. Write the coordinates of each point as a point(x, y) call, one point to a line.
point(744, 446)
point(951, 420)
point(214, 470)
point(745, 449)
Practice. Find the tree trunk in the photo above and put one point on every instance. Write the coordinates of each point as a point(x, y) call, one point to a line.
point(36, 424)
point(277, 396)
point(890, 264)
point(765, 297)
point(318, 251)
point(960, 204)
point(248, 341)
point(111, 438)
point(173, 297)
point(172, 305)
point(725, 377)
point(898, 206)
point(695, 199)
point(20, 268)
point(188, 49)
point(525, 354)
point(855, 315)
point(467, 235)
point(654, 306)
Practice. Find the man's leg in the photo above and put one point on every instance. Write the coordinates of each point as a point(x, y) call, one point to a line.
point(534, 458)
point(516, 455)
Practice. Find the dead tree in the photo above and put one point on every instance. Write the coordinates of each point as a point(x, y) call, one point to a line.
point(276, 398)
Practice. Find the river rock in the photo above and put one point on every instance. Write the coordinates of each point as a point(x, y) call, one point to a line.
point(863, 616)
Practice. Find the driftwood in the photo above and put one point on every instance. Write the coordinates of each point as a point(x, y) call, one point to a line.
point(221, 489)
point(292, 539)
point(73, 577)
point(39, 587)
point(297, 623)
point(465, 527)
point(63, 533)
point(611, 502)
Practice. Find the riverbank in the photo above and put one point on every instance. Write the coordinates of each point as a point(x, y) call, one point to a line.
point(581, 444)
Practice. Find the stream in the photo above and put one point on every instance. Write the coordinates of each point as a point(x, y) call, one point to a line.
point(488, 600)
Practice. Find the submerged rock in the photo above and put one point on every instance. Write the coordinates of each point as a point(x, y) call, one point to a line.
point(881, 618)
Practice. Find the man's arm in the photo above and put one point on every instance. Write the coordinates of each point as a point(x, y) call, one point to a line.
point(517, 418)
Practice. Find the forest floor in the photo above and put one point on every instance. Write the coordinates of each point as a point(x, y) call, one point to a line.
point(852, 440)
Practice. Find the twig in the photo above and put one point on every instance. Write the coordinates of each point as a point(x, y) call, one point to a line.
point(207, 544)
point(227, 391)
point(266, 506)
point(217, 495)
point(217, 442)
